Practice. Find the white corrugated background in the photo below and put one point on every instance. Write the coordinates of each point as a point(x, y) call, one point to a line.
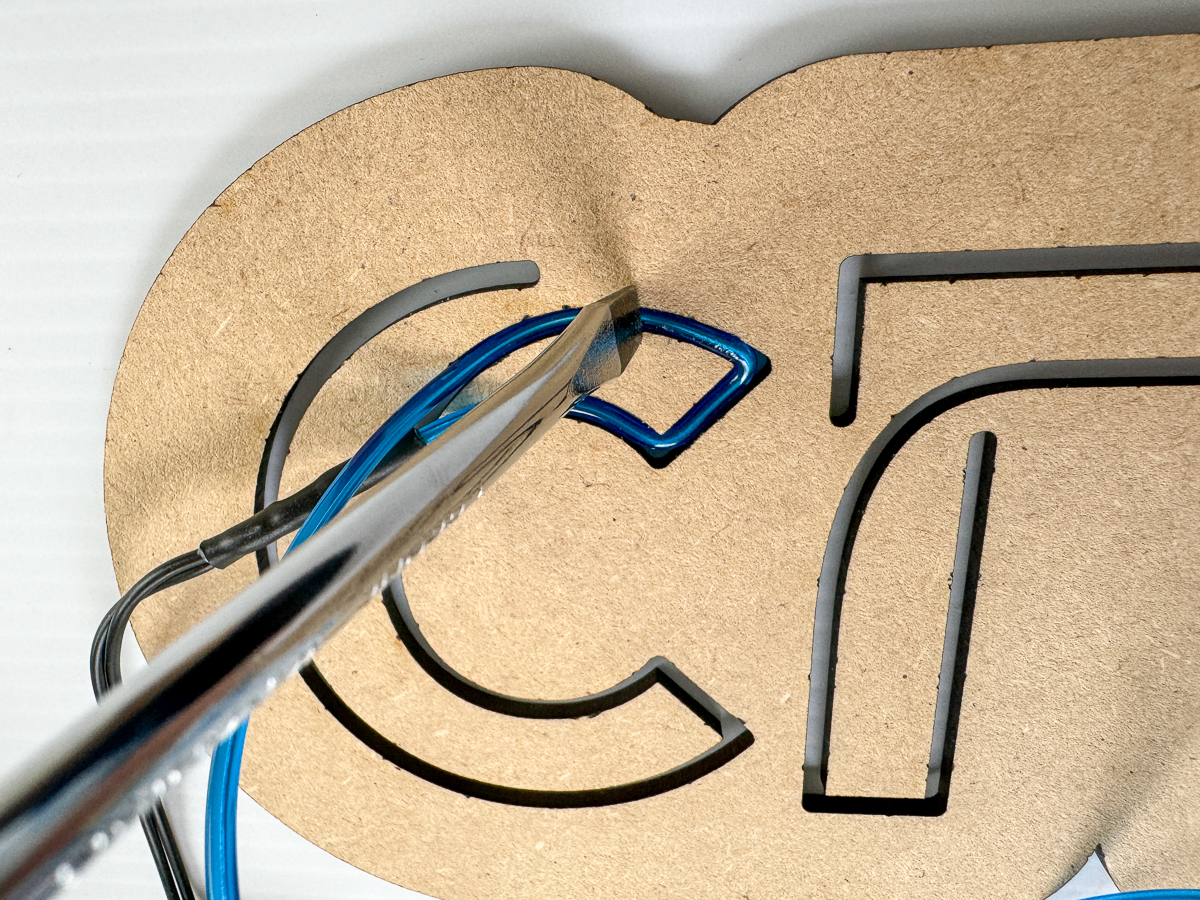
point(121, 121)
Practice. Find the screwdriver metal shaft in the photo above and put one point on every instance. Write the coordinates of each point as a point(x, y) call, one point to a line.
point(64, 806)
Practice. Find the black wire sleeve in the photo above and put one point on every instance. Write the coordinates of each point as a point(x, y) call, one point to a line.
point(285, 516)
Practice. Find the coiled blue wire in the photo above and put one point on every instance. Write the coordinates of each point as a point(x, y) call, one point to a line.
point(220, 819)
point(220, 827)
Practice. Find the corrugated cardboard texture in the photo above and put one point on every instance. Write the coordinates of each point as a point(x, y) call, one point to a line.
point(584, 562)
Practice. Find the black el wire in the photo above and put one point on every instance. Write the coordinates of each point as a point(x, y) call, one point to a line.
point(106, 674)
point(278, 519)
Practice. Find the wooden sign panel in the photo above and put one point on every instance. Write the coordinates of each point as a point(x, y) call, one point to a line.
point(1075, 722)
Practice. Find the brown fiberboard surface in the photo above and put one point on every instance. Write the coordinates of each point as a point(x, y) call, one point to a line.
point(584, 562)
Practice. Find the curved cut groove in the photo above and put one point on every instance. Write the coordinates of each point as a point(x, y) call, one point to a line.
point(1087, 373)
point(964, 580)
point(734, 738)
point(395, 601)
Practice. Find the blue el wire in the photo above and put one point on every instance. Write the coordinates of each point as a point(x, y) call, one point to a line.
point(220, 826)
point(748, 366)
point(220, 820)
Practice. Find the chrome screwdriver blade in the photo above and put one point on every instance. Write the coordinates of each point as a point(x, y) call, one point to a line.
point(73, 797)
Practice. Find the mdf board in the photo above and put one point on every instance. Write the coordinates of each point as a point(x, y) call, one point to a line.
point(584, 562)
